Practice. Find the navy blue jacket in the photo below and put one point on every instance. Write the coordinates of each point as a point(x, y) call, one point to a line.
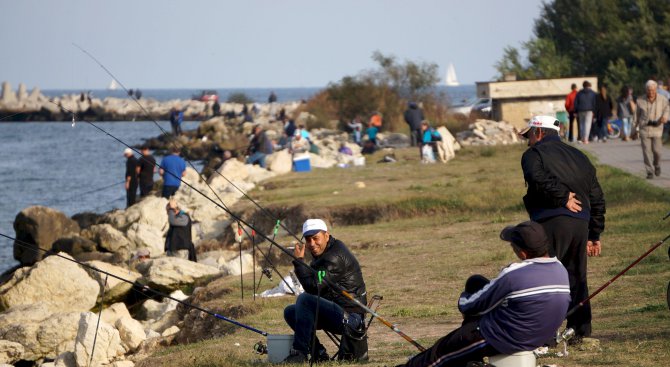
point(585, 100)
point(523, 307)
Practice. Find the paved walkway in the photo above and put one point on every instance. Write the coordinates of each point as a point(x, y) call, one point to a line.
point(628, 157)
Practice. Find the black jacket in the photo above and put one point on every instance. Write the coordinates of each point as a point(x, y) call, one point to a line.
point(413, 117)
point(179, 234)
point(341, 268)
point(585, 100)
point(553, 169)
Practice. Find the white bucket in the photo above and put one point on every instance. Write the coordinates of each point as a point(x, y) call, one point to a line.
point(359, 161)
point(519, 359)
point(279, 347)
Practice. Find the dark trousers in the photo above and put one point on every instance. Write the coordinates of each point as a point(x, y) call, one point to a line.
point(301, 317)
point(573, 132)
point(415, 137)
point(462, 345)
point(145, 189)
point(169, 191)
point(568, 237)
point(131, 195)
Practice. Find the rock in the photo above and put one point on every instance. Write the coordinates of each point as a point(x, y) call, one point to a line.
point(87, 219)
point(41, 332)
point(37, 228)
point(108, 238)
point(65, 360)
point(131, 332)
point(165, 321)
point(152, 334)
point(155, 310)
point(145, 236)
point(232, 267)
point(280, 162)
point(115, 289)
point(170, 331)
point(317, 161)
point(8, 95)
point(115, 312)
point(108, 343)
point(59, 283)
point(10, 351)
point(22, 92)
point(122, 364)
point(152, 212)
point(395, 140)
point(169, 273)
point(74, 245)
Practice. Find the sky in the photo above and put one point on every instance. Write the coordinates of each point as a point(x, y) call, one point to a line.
point(153, 44)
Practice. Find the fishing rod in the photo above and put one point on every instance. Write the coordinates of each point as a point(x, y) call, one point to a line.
point(87, 192)
point(582, 303)
point(237, 218)
point(30, 246)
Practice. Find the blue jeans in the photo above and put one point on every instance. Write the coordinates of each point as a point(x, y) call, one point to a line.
point(625, 122)
point(300, 317)
point(257, 157)
point(602, 128)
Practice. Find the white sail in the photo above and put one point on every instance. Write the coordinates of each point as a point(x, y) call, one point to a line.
point(451, 80)
point(113, 85)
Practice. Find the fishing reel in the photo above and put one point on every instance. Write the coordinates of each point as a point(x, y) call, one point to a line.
point(260, 348)
point(267, 272)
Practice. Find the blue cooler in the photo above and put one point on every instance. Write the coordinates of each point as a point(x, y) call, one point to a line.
point(301, 165)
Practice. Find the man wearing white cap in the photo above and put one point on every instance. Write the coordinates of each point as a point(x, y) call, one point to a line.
point(131, 177)
point(565, 197)
point(332, 263)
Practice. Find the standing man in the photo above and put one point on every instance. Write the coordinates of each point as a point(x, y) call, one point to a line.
point(651, 114)
point(131, 177)
point(604, 108)
point(173, 168)
point(413, 117)
point(332, 261)
point(145, 171)
point(176, 118)
point(585, 105)
point(519, 310)
point(259, 147)
point(573, 130)
point(565, 197)
point(178, 241)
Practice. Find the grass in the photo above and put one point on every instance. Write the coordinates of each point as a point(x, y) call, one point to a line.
point(435, 225)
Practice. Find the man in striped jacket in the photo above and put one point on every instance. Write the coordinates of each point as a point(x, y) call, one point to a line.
point(519, 310)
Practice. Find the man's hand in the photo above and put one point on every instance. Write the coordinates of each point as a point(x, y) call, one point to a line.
point(593, 248)
point(127, 185)
point(299, 251)
point(573, 204)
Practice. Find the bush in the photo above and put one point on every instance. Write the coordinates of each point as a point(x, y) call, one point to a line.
point(239, 97)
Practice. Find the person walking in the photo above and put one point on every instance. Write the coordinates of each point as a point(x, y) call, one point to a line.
point(131, 177)
point(519, 310)
point(604, 108)
point(585, 105)
point(626, 111)
point(564, 195)
point(172, 169)
point(145, 171)
point(651, 114)
point(573, 129)
point(413, 116)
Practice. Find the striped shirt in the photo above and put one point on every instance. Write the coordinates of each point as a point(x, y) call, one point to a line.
point(523, 307)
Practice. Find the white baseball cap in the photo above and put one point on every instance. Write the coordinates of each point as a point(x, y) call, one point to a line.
point(127, 151)
point(313, 226)
point(547, 122)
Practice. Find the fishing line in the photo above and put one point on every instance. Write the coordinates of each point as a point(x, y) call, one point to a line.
point(235, 217)
point(31, 247)
point(87, 192)
point(12, 115)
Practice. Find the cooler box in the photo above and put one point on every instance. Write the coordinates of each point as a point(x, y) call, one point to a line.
point(301, 165)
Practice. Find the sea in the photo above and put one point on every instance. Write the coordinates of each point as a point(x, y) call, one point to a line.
point(76, 168)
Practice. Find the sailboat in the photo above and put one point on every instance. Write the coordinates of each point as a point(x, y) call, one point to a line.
point(451, 80)
point(113, 85)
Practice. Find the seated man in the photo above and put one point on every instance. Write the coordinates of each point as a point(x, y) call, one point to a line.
point(519, 310)
point(178, 238)
point(337, 314)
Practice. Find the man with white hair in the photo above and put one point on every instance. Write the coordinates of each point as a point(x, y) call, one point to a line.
point(332, 264)
point(651, 114)
point(131, 177)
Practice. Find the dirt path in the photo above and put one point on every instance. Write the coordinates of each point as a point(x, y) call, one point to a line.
point(628, 157)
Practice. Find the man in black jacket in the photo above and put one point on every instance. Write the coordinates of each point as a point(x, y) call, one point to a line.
point(565, 197)
point(131, 177)
point(413, 117)
point(332, 263)
point(178, 241)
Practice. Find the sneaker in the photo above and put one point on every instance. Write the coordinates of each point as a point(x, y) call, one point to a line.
point(657, 171)
point(295, 357)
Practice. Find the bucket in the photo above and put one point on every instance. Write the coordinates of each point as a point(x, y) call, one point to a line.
point(301, 165)
point(359, 161)
point(279, 347)
point(519, 359)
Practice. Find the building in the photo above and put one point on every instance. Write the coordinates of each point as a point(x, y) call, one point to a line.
point(517, 101)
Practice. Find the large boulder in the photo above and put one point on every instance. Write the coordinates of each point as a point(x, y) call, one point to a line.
point(170, 273)
point(142, 235)
point(108, 238)
point(61, 284)
point(235, 267)
point(131, 332)
point(10, 352)
point(37, 228)
point(107, 342)
point(154, 310)
point(74, 245)
point(115, 289)
point(115, 312)
point(153, 213)
point(42, 333)
point(280, 162)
